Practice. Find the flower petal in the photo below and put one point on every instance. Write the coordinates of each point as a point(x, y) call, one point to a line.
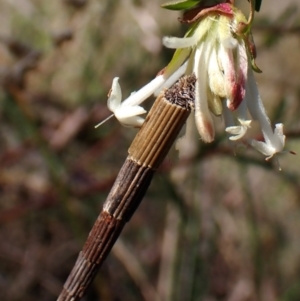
point(203, 118)
point(177, 43)
point(142, 94)
point(264, 148)
point(257, 110)
point(215, 75)
point(234, 80)
point(127, 115)
point(115, 95)
point(200, 11)
point(238, 131)
point(274, 141)
point(280, 136)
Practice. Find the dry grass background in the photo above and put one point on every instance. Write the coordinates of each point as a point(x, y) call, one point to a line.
point(213, 226)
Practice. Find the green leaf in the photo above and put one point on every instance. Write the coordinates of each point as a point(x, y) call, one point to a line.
point(180, 4)
point(257, 5)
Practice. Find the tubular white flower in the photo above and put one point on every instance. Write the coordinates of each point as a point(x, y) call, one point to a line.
point(203, 118)
point(172, 79)
point(217, 50)
point(270, 150)
point(274, 141)
point(126, 113)
point(141, 95)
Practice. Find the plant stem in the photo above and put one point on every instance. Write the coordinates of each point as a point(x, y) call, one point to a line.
point(150, 146)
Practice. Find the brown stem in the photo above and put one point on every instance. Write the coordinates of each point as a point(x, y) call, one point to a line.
point(147, 151)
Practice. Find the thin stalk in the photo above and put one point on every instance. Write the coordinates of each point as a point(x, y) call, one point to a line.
point(169, 253)
point(147, 151)
point(135, 270)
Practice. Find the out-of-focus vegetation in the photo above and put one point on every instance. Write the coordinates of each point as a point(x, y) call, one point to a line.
point(213, 225)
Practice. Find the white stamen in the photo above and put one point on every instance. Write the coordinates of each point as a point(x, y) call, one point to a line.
point(103, 121)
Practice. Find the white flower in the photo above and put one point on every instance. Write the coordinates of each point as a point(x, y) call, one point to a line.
point(270, 149)
point(274, 141)
point(218, 49)
point(238, 131)
point(126, 113)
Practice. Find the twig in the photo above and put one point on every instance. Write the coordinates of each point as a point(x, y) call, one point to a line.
point(146, 153)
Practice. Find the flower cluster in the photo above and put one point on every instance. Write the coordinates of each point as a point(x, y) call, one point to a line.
point(219, 50)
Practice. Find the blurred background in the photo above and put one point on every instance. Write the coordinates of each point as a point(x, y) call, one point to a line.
point(214, 225)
